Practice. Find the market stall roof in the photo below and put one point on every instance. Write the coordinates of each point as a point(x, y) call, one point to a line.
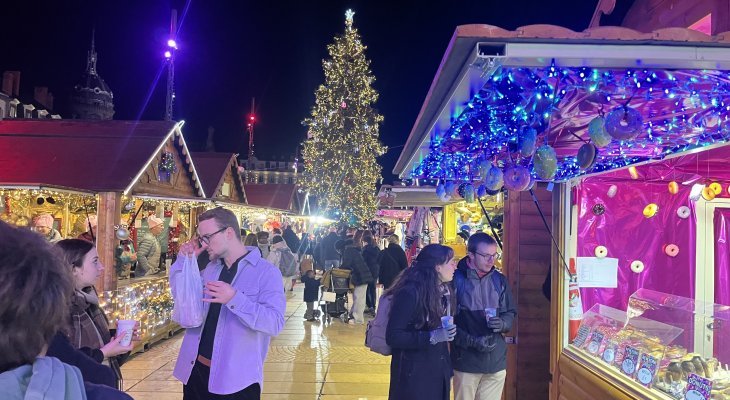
point(220, 176)
point(409, 196)
point(96, 156)
point(493, 83)
point(281, 197)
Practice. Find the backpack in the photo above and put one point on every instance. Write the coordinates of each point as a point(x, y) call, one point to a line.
point(375, 333)
point(287, 264)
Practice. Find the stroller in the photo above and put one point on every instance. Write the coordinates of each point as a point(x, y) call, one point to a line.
point(333, 300)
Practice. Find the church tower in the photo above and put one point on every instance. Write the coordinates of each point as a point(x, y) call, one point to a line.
point(91, 97)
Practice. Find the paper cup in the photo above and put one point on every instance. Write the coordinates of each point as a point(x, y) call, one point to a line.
point(447, 321)
point(126, 327)
point(490, 312)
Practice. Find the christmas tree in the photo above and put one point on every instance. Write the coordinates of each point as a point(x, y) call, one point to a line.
point(340, 166)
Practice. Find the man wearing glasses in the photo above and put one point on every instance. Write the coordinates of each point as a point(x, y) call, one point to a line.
point(244, 301)
point(485, 311)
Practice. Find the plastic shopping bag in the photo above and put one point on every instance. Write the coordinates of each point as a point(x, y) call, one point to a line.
point(188, 310)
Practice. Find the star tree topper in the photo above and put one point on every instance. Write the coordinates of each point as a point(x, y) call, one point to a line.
point(349, 14)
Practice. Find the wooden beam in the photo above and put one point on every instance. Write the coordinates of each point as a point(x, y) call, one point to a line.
point(108, 214)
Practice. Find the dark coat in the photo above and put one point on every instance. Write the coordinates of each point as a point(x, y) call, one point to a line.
point(291, 239)
point(473, 295)
point(352, 260)
point(392, 261)
point(328, 247)
point(87, 360)
point(370, 253)
point(418, 369)
point(311, 288)
point(101, 392)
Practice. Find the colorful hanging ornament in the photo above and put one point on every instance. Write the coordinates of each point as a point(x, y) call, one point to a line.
point(683, 212)
point(673, 187)
point(716, 187)
point(601, 251)
point(671, 250)
point(587, 156)
point(495, 178)
point(545, 162)
point(469, 193)
point(637, 266)
point(650, 210)
point(461, 190)
point(624, 123)
point(597, 132)
point(526, 140)
point(633, 172)
point(481, 191)
point(516, 178)
point(599, 209)
point(121, 232)
point(612, 190)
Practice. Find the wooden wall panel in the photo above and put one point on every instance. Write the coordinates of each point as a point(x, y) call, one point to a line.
point(650, 15)
point(527, 259)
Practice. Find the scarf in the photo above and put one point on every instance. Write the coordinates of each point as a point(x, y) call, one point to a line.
point(47, 379)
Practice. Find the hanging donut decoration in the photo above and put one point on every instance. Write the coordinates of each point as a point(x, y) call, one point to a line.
point(637, 266)
point(601, 251)
point(599, 209)
point(624, 123)
point(672, 250)
point(587, 156)
point(612, 190)
point(683, 212)
point(650, 210)
point(716, 187)
point(494, 179)
point(545, 162)
point(673, 187)
point(516, 178)
point(597, 132)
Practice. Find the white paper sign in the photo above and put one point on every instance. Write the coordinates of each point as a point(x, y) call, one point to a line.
point(597, 272)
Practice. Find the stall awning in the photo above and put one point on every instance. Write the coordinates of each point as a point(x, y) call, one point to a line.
point(215, 171)
point(493, 85)
point(96, 156)
point(409, 196)
point(281, 197)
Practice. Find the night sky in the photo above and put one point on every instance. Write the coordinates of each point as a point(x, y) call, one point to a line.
point(231, 51)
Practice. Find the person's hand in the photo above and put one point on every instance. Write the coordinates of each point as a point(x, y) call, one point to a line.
point(136, 335)
point(114, 348)
point(443, 334)
point(191, 248)
point(219, 292)
point(496, 324)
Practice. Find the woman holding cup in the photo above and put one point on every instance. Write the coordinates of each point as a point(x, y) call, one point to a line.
point(420, 325)
point(88, 328)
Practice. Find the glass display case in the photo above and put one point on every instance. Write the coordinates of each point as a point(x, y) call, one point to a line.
point(669, 344)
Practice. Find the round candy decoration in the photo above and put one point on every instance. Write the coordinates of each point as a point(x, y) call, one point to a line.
point(601, 251)
point(637, 266)
point(683, 212)
point(671, 250)
point(516, 178)
point(673, 187)
point(708, 194)
point(450, 187)
point(612, 190)
point(597, 132)
point(545, 162)
point(599, 209)
point(122, 233)
point(650, 210)
point(481, 191)
point(494, 179)
point(461, 190)
point(526, 139)
point(624, 123)
point(587, 156)
point(716, 187)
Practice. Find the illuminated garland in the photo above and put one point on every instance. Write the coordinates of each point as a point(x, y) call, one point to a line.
point(340, 154)
point(149, 302)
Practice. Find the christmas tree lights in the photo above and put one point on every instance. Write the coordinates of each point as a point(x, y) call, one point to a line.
point(340, 166)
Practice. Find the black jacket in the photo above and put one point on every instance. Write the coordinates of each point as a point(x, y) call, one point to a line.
point(473, 295)
point(352, 260)
point(85, 359)
point(392, 261)
point(328, 247)
point(418, 369)
point(370, 253)
point(291, 239)
point(311, 288)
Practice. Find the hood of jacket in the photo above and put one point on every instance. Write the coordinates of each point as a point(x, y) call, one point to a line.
point(47, 379)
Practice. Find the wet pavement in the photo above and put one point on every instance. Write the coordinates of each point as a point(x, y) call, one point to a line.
point(308, 360)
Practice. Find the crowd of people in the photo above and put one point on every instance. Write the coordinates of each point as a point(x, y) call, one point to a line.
point(445, 322)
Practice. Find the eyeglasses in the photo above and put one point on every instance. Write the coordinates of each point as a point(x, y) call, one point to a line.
point(205, 239)
point(495, 256)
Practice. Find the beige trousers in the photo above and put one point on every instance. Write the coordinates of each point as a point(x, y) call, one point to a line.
point(478, 386)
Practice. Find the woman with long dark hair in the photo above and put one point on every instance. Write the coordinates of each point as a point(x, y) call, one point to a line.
point(421, 367)
point(88, 328)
